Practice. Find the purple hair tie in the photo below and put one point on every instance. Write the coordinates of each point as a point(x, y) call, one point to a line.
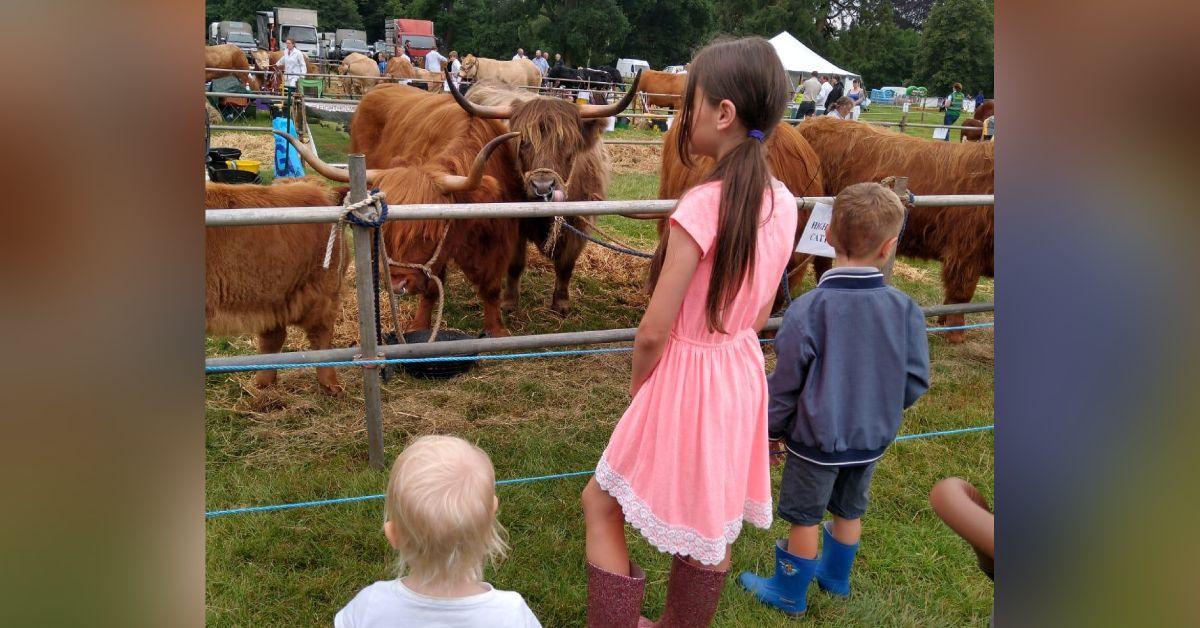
point(756, 134)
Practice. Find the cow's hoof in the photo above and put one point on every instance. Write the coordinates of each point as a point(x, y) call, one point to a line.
point(561, 308)
point(496, 333)
point(335, 389)
point(264, 379)
point(508, 307)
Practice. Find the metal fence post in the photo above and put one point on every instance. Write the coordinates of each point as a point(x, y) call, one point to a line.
point(903, 122)
point(901, 189)
point(366, 312)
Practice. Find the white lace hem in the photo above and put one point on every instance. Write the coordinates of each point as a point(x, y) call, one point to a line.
point(673, 539)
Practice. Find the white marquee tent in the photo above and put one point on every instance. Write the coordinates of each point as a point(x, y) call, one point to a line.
point(799, 60)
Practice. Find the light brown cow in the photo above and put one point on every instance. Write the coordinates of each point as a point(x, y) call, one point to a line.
point(655, 82)
point(397, 68)
point(357, 66)
point(260, 280)
point(229, 57)
point(519, 72)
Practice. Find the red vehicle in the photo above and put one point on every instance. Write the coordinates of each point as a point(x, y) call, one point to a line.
point(418, 34)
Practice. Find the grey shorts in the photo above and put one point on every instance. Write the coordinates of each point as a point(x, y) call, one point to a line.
point(809, 489)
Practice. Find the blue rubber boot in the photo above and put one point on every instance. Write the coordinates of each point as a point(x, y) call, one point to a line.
point(833, 574)
point(787, 590)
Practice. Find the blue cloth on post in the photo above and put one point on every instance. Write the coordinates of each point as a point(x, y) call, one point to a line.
point(287, 159)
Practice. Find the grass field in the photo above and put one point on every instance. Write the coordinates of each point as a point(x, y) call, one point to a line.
point(538, 417)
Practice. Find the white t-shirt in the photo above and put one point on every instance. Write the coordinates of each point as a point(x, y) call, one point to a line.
point(433, 61)
point(834, 113)
point(824, 93)
point(518, 57)
point(294, 66)
point(391, 604)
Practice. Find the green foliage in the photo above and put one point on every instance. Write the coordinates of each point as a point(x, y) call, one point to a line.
point(878, 49)
point(957, 47)
point(666, 33)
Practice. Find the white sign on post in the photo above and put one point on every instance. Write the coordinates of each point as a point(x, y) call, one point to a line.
point(941, 133)
point(904, 107)
point(813, 239)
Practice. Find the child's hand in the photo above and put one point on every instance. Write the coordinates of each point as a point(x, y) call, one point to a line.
point(777, 449)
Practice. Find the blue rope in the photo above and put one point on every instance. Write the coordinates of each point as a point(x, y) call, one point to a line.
point(214, 370)
point(537, 478)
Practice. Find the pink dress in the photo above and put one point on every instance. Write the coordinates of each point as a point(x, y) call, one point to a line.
point(688, 461)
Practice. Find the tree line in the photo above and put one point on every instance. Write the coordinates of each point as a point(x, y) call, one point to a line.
point(933, 43)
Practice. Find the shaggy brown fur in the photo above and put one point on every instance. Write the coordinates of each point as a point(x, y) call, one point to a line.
point(398, 68)
point(397, 126)
point(959, 237)
point(519, 72)
point(792, 161)
point(359, 65)
point(973, 128)
point(230, 57)
point(549, 140)
point(656, 82)
point(261, 279)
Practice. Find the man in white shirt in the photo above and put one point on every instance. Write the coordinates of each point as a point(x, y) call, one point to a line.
point(293, 64)
point(825, 89)
point(520, 54)
point(455, 66)
point(434, 60)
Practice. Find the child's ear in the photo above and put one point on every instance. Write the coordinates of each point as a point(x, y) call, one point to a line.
point(888, 246)
point(392, 533)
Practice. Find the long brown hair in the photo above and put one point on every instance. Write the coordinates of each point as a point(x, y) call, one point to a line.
point(748, 73)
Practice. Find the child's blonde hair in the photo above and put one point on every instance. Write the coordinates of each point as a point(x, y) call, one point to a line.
point(441, 497)
point(865, 215)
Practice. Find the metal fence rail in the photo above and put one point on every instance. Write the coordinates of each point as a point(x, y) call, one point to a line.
point(531, 209)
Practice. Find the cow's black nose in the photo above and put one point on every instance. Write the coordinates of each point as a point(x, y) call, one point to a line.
point(542, 187)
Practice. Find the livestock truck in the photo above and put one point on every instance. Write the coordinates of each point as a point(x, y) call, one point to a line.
point(348, 40)
point(418, 34)
point(280, 24)
point(236, 33)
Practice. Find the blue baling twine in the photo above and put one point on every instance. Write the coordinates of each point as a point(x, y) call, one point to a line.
point(214, 370)
point(537, 478)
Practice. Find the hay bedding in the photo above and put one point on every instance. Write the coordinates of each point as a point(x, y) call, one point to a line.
point(256, 145)
point(635, 158)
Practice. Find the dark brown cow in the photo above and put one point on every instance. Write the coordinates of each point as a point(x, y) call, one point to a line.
point(589, 177)
point(972, 130)
point(792, 161)
point(260, 280)
point(472, 244)
point(960, 237)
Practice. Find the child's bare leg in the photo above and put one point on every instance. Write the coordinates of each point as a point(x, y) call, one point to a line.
point(802, 541)
point(604, 523)
point(846, 531)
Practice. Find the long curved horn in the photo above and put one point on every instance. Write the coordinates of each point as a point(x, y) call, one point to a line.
point(329, 172)
point(451, 183)
point(494, 112)
point(605, 111)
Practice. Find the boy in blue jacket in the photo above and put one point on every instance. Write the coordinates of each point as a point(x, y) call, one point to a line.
point(852, 354)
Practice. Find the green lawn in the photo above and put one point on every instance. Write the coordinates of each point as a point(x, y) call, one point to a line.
point(535, 417)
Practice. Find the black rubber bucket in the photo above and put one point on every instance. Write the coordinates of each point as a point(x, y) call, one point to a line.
point(221, 155)
point(429, 370)
point(227, 175)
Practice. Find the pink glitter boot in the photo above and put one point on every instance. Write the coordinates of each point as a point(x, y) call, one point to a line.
point(692, 596)
point(615, 601)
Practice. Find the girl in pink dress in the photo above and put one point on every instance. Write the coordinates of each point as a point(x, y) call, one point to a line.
point(689, 462)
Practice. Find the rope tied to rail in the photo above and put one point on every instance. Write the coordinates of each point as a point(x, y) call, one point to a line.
point(619, 247)
point(427, 270)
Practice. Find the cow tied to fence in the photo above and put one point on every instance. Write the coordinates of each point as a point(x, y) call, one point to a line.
point(960, 237)
point(262, 279)
point(791, 160)
point(663, 89)
point(587, 179)
point(479, 247)
point(228, 57)
point(360, 73)
point(972, 129)
point(516, 72)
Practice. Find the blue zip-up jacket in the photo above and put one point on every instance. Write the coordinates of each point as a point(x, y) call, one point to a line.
point(852, 355)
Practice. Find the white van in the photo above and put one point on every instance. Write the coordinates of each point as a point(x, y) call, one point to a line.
point(629, 67)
